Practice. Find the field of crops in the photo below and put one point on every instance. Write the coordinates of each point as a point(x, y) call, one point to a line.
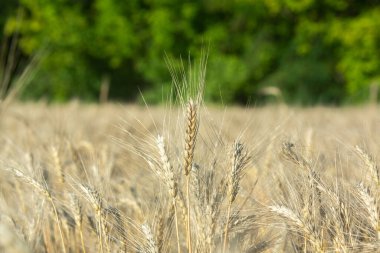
point(193, 178)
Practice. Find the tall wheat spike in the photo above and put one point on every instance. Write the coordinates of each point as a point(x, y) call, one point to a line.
point(169, 179)
point(239, 160)
point(190, 140)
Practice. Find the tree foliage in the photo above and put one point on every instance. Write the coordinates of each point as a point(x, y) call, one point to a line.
point(312, 51)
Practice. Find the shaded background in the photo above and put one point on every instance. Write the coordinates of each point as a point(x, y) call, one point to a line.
point(298, 51)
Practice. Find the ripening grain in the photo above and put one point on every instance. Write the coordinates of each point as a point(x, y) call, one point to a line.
point(124, 178)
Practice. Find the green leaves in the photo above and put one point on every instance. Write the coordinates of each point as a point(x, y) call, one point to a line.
point(359, 50)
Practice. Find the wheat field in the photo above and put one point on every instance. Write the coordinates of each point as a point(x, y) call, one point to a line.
point(188, 178)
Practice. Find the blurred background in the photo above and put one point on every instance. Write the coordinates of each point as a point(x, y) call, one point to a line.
point(302, 52)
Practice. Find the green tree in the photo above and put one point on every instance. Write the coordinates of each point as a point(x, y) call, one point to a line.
point(312, 51)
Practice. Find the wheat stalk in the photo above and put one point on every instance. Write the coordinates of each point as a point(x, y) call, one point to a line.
point(239, 160)
point(168, 177)
point(78, 217)
point(190, 140)
point(93, 196)
point(43, 189)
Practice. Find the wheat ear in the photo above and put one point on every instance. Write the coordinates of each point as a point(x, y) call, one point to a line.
point(58, 164)
point(239, 159)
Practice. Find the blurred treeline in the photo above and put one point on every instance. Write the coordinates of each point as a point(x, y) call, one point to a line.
point(297, 51)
